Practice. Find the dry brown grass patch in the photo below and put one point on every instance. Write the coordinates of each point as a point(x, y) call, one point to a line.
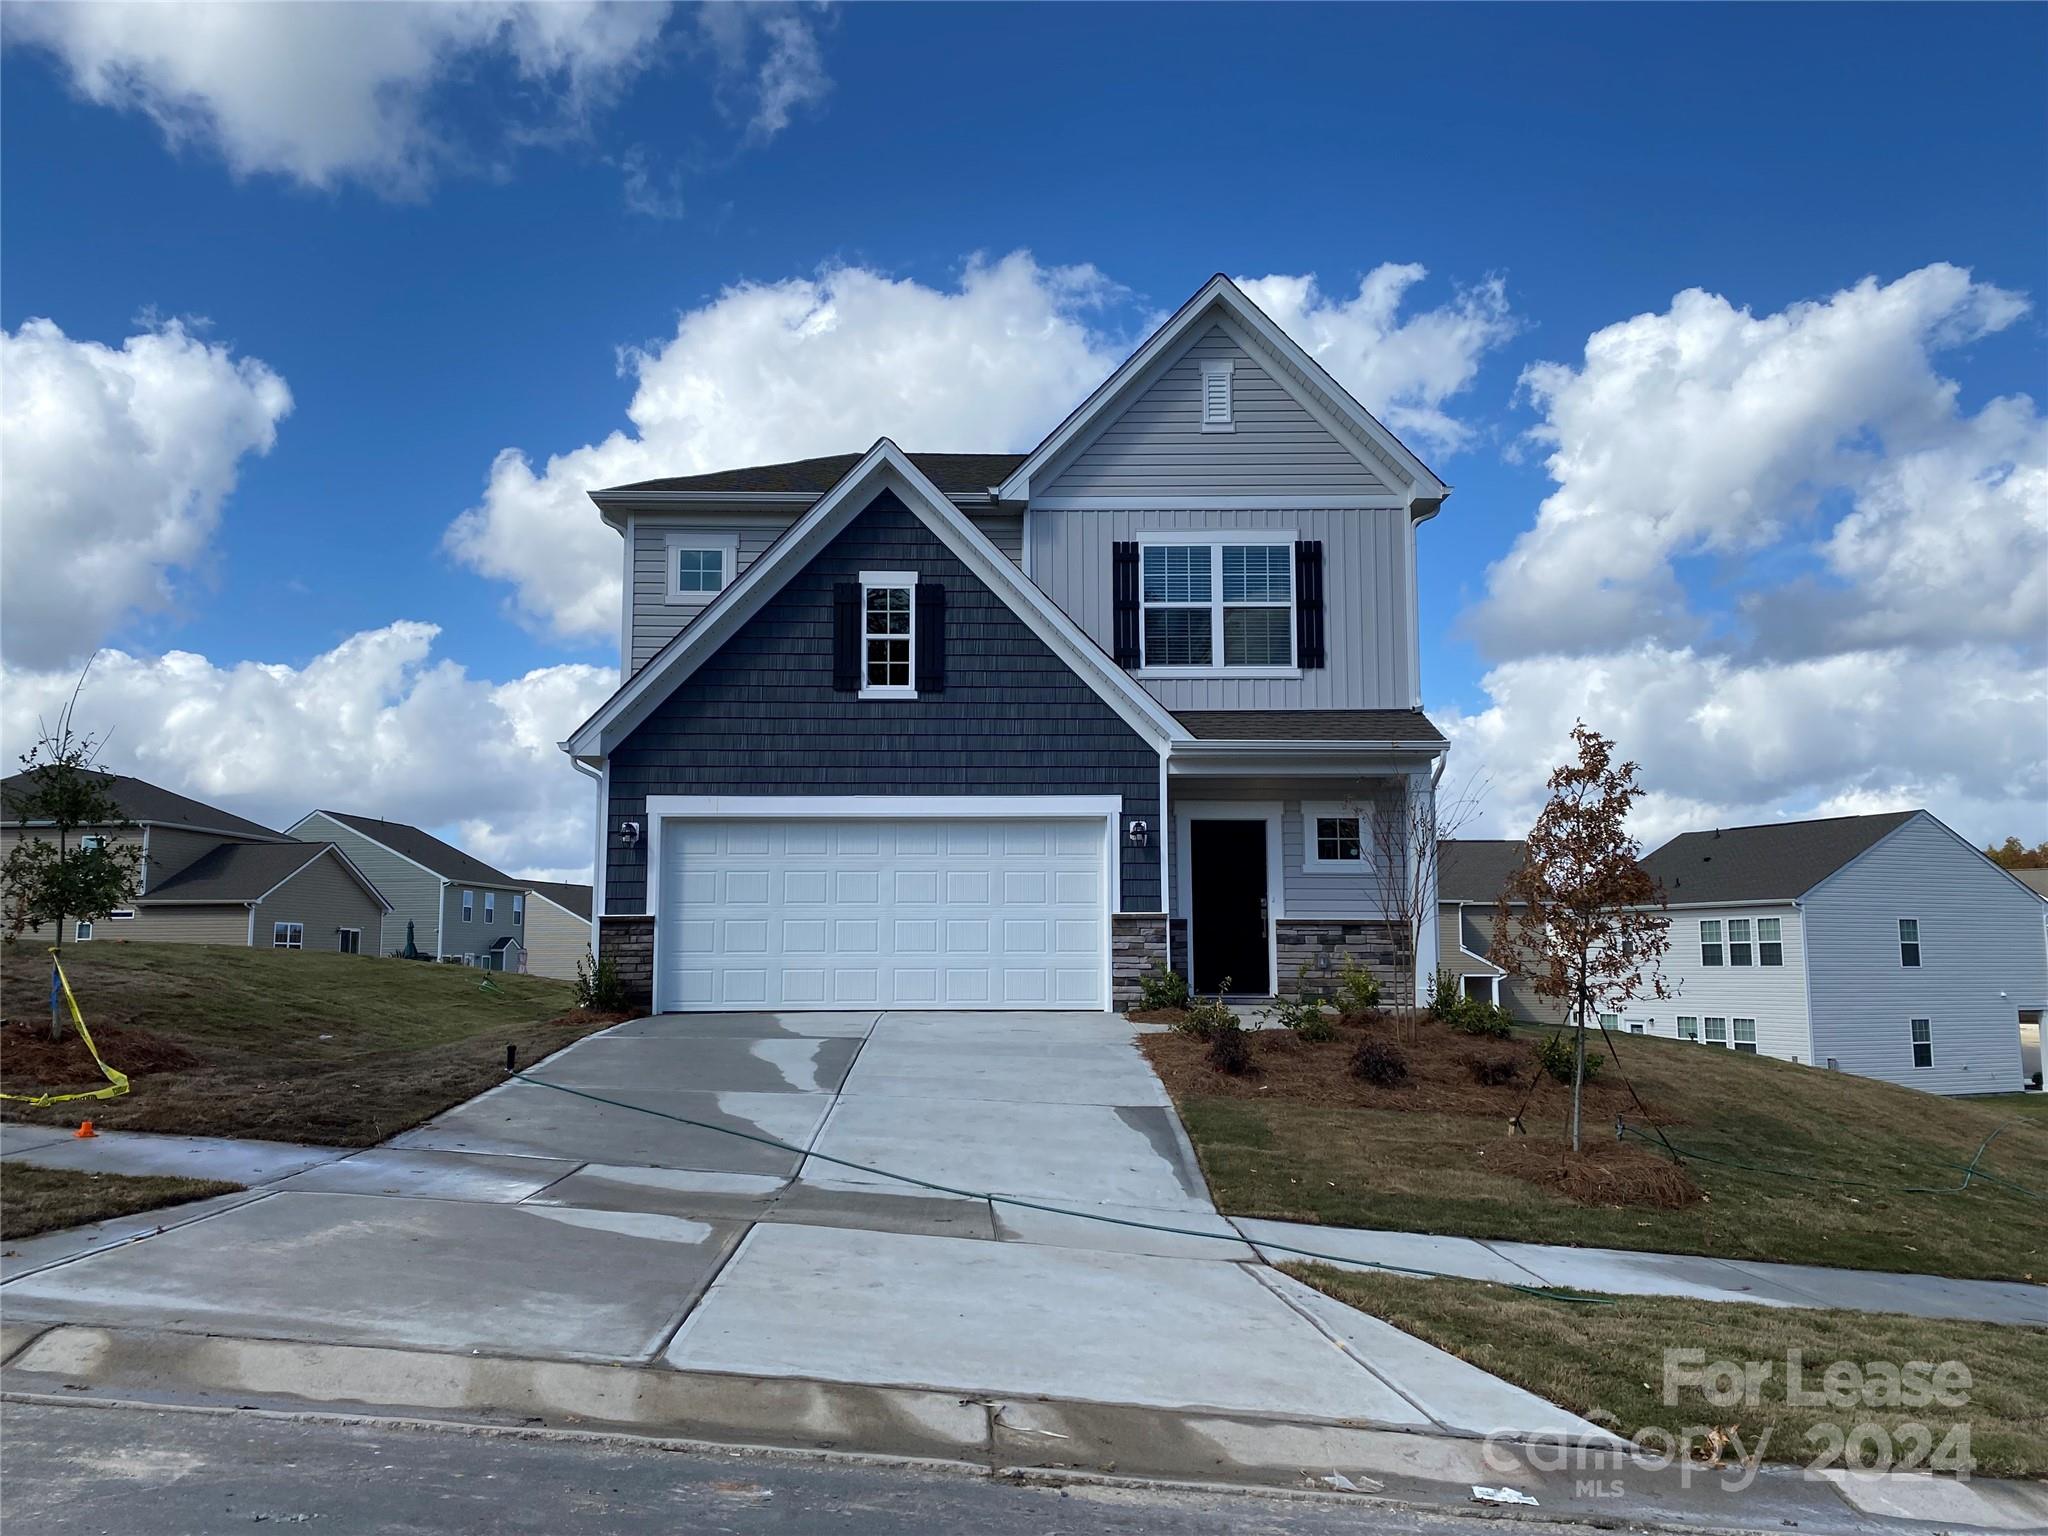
point(1609, 1173)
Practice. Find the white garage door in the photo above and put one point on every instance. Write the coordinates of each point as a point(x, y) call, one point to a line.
point(910, 913)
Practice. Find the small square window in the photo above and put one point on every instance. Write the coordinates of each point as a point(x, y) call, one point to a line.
point(1688, 1027)
point(287, 935)
point(92, 842)
point(349, 940)
point(1745, 1036)
point(1909, 942)
point(81, 933)
point(1339, 840)
point(1923, 1043)
point(1770, 946)
point(1710, 942)
point(700, 570)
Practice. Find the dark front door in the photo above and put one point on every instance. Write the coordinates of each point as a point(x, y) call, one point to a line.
point(1227, 880)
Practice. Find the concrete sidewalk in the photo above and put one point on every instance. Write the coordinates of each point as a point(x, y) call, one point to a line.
point(1620, 1272)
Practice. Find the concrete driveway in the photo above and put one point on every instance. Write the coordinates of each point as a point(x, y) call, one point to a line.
point(539, 1224)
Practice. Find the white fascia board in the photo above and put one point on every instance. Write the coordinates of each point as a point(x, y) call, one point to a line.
point(1349, 420)
point(884, 467)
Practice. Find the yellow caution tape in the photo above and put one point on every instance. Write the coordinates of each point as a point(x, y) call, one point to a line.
point(117, 1082)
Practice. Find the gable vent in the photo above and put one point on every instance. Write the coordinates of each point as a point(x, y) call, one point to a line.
point(1216, 397)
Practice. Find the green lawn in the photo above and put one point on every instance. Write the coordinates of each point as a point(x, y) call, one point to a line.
point(1832, 1157)
point(1608, 1363)
point(36, 1200)
point(338, 1049)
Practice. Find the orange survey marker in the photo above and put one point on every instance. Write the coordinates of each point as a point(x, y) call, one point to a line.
point(117, 1082)
point(84, 1130)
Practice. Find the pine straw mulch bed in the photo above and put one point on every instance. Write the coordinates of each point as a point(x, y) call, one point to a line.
point(1445, 1069)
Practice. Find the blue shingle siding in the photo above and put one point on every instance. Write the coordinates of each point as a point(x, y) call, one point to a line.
point(761, 718)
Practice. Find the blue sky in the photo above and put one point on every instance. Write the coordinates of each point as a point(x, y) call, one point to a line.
point(1595, 161)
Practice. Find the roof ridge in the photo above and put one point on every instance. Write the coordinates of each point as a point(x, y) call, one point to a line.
point(1803, 821)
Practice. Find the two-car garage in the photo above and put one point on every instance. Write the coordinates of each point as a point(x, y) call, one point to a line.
point(896, 902)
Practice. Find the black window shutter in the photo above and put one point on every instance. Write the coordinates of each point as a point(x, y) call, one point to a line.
point(1308, 604)
point(1123, 568)
point(929, 671)
point(846, 636)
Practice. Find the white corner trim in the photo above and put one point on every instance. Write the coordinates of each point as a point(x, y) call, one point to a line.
point(726, 544)
point(1311, 862)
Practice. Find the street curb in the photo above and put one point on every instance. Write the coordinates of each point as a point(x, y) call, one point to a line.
point(1034, 1440)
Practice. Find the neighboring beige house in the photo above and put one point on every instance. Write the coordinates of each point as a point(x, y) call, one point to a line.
point(557, 928)
point(1471, 874)
point(211, 877)
point(460, 908)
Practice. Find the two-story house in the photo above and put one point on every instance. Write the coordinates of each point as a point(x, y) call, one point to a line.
point(1882, 945)
point(1007, 730)
point(458, 907)
point(208, 876)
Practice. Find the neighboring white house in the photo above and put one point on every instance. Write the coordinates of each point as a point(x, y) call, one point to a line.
point(557, 928)
point(1881, 945)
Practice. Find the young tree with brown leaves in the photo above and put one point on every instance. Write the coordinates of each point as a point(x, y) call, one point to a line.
point(1582, 919)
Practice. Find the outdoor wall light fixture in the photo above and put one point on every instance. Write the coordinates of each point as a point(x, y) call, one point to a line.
point(629, 833)
point(1138, 834)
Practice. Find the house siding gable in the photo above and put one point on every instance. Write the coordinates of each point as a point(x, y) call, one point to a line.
point(653, 620)
point(1981, 962)
point(323, 897)
point(555, 939)
point(414, 893)
point(1156, 444)
point(760, 716)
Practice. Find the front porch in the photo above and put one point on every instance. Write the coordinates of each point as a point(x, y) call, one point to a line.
point(1277, 877)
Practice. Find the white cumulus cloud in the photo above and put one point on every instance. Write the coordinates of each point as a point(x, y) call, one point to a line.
point(768, 371)
point(116, 462)
point(1887, 548)
point(376, 725)
point(325, 92)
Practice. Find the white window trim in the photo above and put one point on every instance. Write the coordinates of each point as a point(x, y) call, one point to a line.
point(1312, 862)
point(81, 932)
point(490, 909)
point(1913, 1045)
point(338, 944)
point(874, 580)
point(121, 915)
point(1273, 814)
point(1219, 367)
point(518, 909)
point(469, 906)
point(88, 841)
point(1216, 538)
point(728, 547)
point(1735, 1040)
point(1919, 945)
point(276, 934)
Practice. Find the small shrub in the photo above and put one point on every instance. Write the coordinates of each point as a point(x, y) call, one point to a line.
point(1161, 988)
point(1305, 1014)
point(1378, 1063)
point(1555, 1054)
point(1473, 1017)
point(1208, 1018)
point(598, 987)
point(1229, 1049)
point(1358, 991)
point(1493, 1071)
point(1445, 995)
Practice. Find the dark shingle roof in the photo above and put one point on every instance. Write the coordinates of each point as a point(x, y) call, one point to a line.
point(143, 802)
point(948, 471)
point(1309, 724)
point(2035, 880)
point(236, 871)
point(1776, 862)
point(425, 848)
point(576, 898)
point(1475, 869)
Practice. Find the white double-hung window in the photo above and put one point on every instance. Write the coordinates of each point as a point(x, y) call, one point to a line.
point(888, 633)
point(1218, 604)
